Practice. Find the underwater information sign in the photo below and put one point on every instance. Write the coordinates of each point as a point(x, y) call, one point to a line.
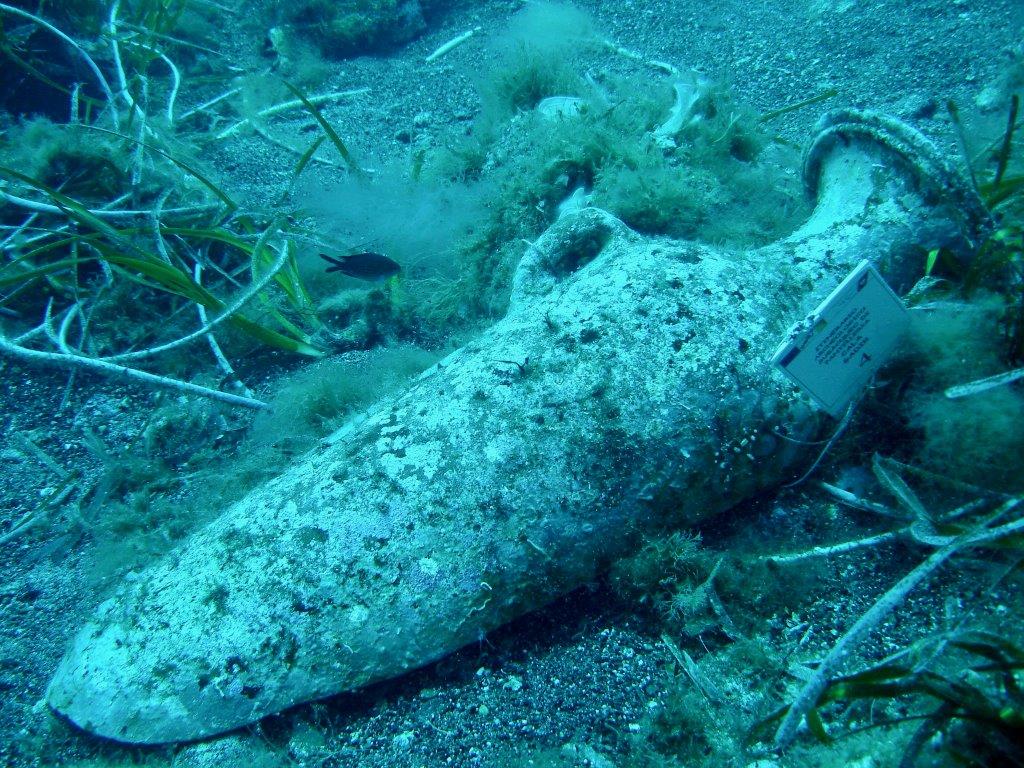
point(835, 350)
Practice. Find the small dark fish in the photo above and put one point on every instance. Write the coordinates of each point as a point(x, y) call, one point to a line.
point(365, 266)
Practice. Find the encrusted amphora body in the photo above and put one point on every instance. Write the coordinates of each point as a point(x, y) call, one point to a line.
point(628, 390)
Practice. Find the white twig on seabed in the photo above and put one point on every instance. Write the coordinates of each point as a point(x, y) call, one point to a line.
point(815, 686)
point(71, 359)
point(218, 354)
point(833, 549)
point(115, 51)
point(453, 43)
point(68, 357)
point(286, 105)
point(983, 385)
point(207, 104)
point(103, 213)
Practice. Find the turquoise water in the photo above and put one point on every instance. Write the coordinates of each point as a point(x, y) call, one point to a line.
point(391, 383)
